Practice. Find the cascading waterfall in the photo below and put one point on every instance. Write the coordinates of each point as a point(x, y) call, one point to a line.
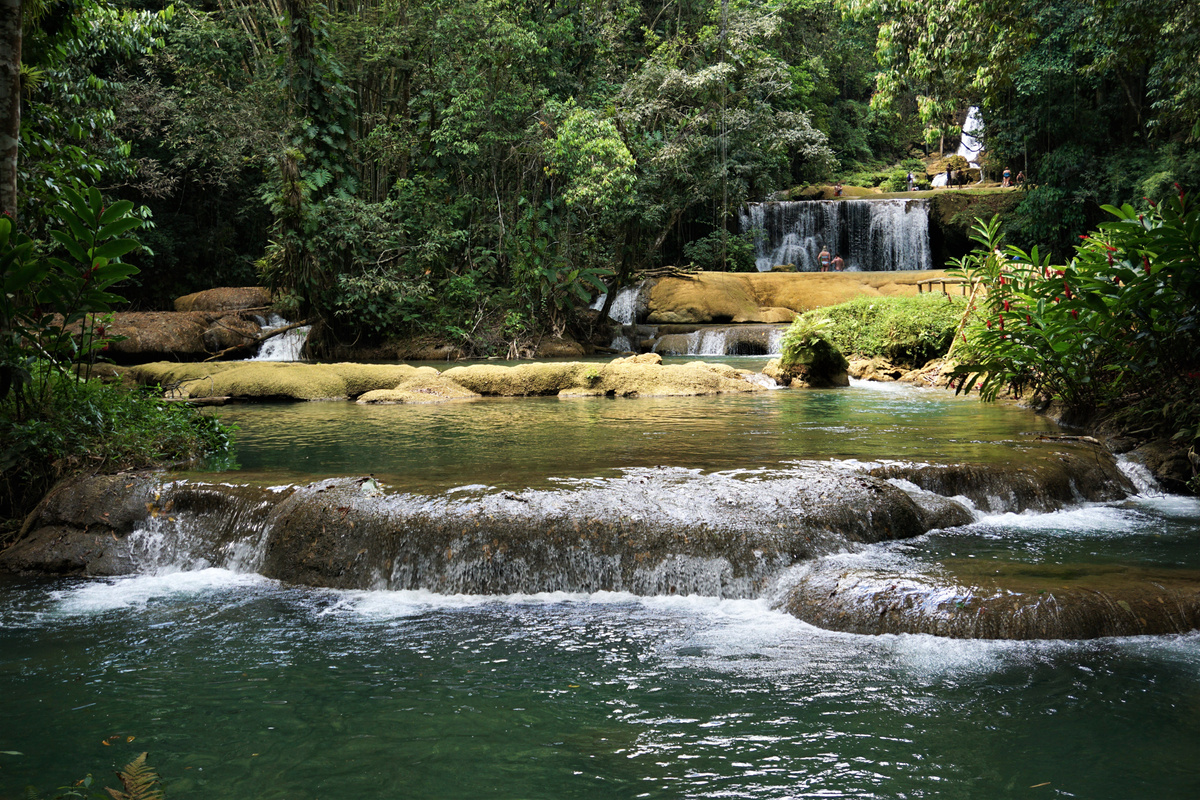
point(624, 307)
point(286, 346)
point(732, 340)
point(968, 147)
point(623, 312)
point(870, 235)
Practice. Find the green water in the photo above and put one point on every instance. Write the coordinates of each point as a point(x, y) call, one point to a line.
point(240, 687)
point(523, 442)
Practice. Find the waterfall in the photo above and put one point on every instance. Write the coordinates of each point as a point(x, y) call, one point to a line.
point(729, 340)
point(624, 307)
point(870, 235)
point(284, 347)
point(968, 147)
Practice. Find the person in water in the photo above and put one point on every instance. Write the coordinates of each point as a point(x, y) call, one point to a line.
point(823, 258)
point(838, 264)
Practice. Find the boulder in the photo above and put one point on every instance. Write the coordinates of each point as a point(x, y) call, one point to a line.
point(225, 299)
point(426, 385)
point(404, 383)
point(819, 365)
point(558, 347)
point(190, 335)
point(991, 599)
point(641, 376)
point(262, 380)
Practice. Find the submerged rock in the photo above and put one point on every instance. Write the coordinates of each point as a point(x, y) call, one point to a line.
point(1000, 600)
point(655, 531)
point(1072, 473)
point(648, 531)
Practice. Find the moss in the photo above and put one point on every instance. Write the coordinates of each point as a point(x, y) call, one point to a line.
point(375, 383)
point(251, 379)
point(909, 330)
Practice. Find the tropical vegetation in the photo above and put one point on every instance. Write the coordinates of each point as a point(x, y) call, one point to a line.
point(1113, 331)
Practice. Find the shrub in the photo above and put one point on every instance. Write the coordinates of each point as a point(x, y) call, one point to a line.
point(722, 250)
point(908, 330)
point(1115, 328)
point(90, 426)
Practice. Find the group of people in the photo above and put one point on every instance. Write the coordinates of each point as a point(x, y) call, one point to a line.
point(825, 261)
point(1007, 181)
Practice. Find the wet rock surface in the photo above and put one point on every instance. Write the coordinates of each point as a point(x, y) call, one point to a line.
point(721, 297)
point(648, 531)
point(1072, 473)
point(1000, 600)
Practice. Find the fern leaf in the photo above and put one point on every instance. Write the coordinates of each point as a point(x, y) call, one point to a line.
point(139, 781)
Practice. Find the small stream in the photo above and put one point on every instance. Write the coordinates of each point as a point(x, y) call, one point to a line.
point(244, 687)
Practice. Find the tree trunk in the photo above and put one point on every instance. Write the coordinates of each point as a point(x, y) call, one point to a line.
point(10, 103)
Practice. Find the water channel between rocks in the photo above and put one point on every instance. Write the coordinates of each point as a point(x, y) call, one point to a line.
point(245, 687)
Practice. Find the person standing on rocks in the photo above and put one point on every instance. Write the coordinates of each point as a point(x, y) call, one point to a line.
point(823, 258)
point(838, 264)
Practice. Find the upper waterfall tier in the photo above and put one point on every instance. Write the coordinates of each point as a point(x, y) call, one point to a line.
point(870, 235)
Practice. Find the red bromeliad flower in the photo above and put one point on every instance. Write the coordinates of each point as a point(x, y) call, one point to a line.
point(988, 322)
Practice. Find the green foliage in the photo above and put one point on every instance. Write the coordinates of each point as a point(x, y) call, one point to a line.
point(69, 125)
point(90, 426)
point(722, 251)
point(52, 419)
point(909, 330)
point(51, 305)
point(1117, 327)
point(801, 335)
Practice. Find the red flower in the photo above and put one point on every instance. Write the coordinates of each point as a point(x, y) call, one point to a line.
point(1075, 313)
point(1006, 304)
point(1001, 322)
point(988, 322)
point(1146, 264)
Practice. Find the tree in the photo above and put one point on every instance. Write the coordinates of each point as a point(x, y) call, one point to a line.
point(10, 103)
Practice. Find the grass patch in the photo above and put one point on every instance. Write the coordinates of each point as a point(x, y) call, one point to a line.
point(904, 330)
point(93, 427)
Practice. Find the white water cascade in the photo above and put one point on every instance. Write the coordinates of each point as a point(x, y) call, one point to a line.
point(870, 235)
point(733, 340)
point(623, 312)
point(286, 346)
point(624, 307)
point(969, 147)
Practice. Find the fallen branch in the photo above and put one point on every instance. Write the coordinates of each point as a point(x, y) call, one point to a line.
point(262, 337)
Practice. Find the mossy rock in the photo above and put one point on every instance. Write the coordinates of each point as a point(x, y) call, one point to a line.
point(643, 376)
point(275, 380)
point(425, 387)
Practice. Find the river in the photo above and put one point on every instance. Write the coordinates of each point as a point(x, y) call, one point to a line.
point(244, 687)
